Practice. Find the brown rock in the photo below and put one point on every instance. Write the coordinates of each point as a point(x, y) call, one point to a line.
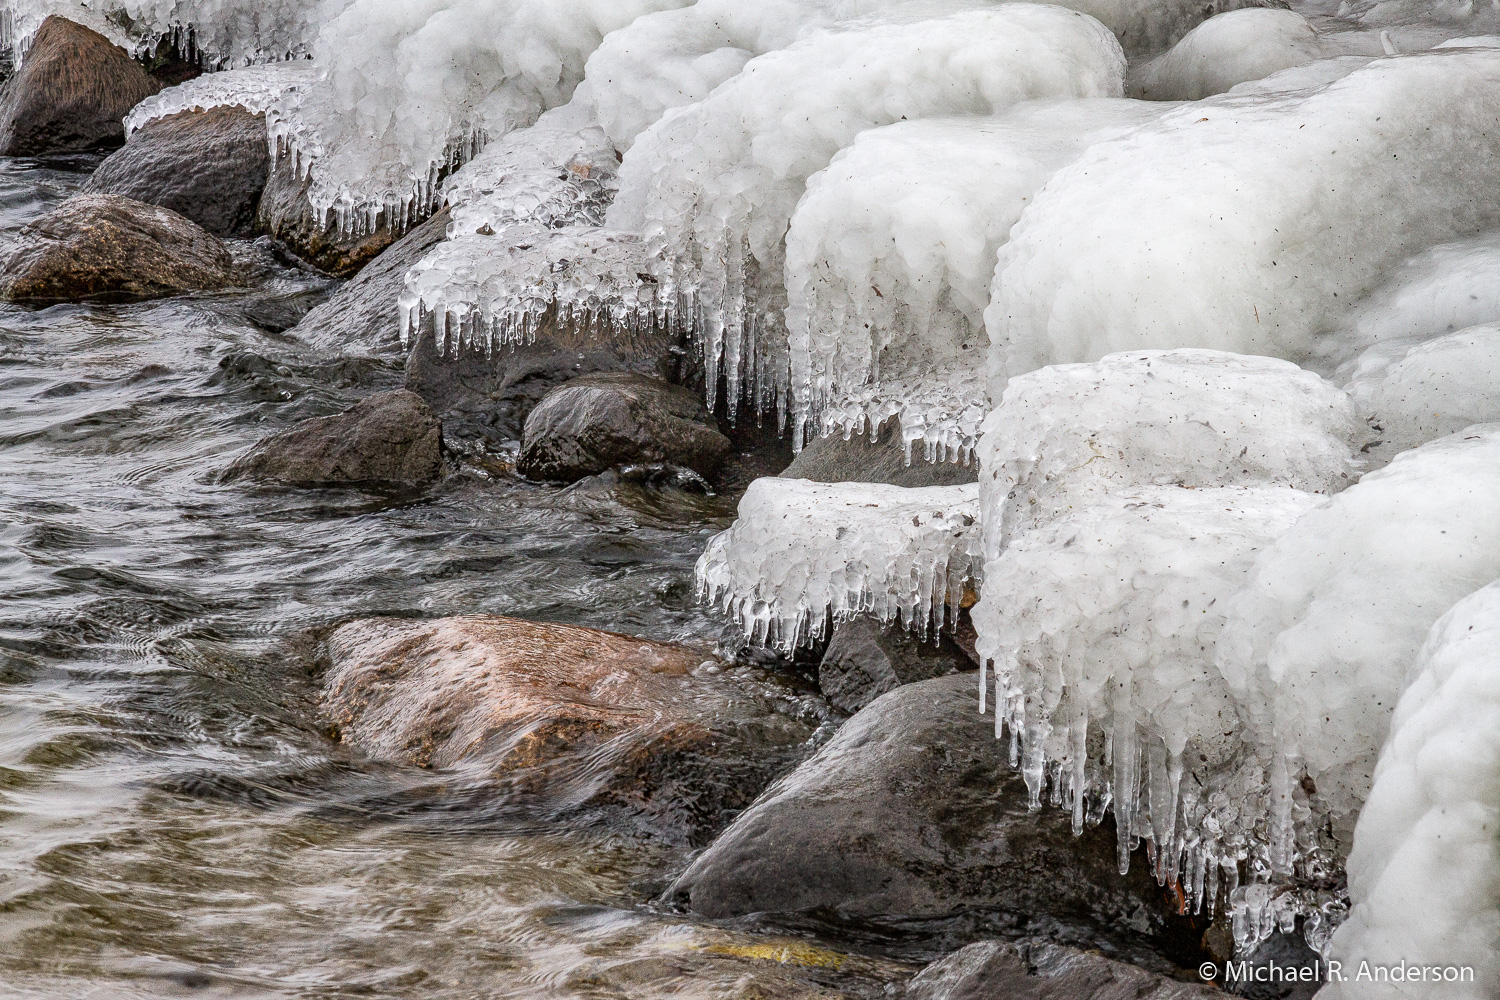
point(71, 94)
point(391, 438)
point(859, 460)
point(209, 166)
point(107, 248)
point(287, 216)
point(590, 721)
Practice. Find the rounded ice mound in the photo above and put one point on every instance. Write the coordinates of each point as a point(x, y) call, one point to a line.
point(1318, 644)
point(1251, 224)
point(1102, 627)
point(802, 551)
point(717, 182)
point(889, 258)
point(1229, 49)
point(1424, 875)
point(1065, 435)
point(1419, 394)
point(254, 88)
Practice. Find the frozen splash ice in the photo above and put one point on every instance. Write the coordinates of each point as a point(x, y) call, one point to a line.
point(487, 293)
point(254, 88)
point(717, 182)
point(889, 259)
point(802, 552)
point(1227, 50)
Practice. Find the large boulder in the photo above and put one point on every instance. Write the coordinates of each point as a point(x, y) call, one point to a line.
point(287, 215)
point(866, 659)
point(912, 810)
point(860, 460)
point(567, 722)
point(391, 438)
point(108, 248)
point(362, 316)
point(71, 94)
point(599, 422)
point(209, 166)
point(1038, 970)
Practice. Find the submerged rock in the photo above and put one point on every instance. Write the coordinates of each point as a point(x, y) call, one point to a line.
point(363, 315)
point(598, 422)
point(912, 810)
point(391, 438)
point(210, 166)
point(860, 460)
point(591, 723)
point(71, 94)
point(287, 216)
point(1038, 970)
point(866, 659)
point(108, 248)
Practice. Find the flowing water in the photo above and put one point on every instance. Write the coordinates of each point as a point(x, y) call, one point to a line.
point(173, 818)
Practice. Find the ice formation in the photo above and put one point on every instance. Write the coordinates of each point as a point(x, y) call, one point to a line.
point(890, 255)
point(717, 181)
point(1226, 50)
point(1250, 223)
point(255, 88)
point(1064, 436)
point(1102, 627)
point(801, 552)
point(490, 292)
point(1413, 395)
point(1424, 875)
point(1317, 645)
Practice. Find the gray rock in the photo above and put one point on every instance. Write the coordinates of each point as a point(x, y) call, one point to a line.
point(599, 422)
point(107, 248)
point(866, 659)
point(1037, 970)
point(911, 810)
point(209, 166)
point(485, 399)
point(362, 316)
point(287, 216)
point(858, 460)
point(390, 438)
point(71, 94)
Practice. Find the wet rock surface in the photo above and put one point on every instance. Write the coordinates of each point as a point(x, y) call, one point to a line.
point(391, 438)
point(287, 216)
point(866, 659)
point(1037, 970)
point(108, 248)
point(209, 166)
point(574, 722)
point(598, 422)
point(859, 460)
point(71, 94)
point(912, 810)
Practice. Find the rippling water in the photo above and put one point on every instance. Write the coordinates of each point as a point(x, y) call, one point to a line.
point(173, 819)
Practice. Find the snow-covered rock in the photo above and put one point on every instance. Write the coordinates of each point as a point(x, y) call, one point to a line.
point(1230, 49)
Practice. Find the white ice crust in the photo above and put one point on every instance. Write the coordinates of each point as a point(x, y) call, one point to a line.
point(1232, 48)
point(255, 88)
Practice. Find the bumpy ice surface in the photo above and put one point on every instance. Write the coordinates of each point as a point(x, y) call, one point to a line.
point(257, 89)
point(1227, 50)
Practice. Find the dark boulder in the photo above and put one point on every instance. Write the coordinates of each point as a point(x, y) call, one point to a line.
point(866, 659)
point(71, 94)
point(1038, 970)
point(107, 248)
point(391, 438)
point(287, 215)
point(362, 316)
point(209, 166)
point(566, 722)
point(859, 460)
point(912, 811)
point(599, 422)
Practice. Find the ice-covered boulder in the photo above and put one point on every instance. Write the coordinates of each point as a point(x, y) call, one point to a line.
point(803, 551)
point(1250, 223)
point(256, 89)
point(717, 182)
point(1424, 875)
point(1063, 436)
point(1102, 627)
point(890, 256)
point(874, 458)
point(1412, 395)
point(1232, 48)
